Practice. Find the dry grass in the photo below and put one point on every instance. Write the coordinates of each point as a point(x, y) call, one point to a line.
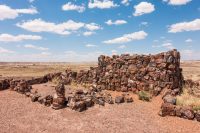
point(186, 99)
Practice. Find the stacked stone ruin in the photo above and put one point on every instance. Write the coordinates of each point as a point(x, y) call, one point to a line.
point(133, 73)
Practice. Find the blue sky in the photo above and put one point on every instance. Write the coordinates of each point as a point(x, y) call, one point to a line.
point(80, 30)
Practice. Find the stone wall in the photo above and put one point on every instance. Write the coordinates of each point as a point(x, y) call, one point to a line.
point(133, 73)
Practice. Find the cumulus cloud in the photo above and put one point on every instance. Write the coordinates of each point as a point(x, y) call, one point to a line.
point(117, 22)
point(185, 26)
point(143, 8)
point(168, 45)
point(70, 7)
point(35, 47)
point(90, 45)
point(17, 38)
point(39, 25)
point(88, 33)
point(102, 4)
point(128, 38)
point(5, 51)
point(177, 2)
point(92, 26)
point(7, 12)
point(188, 40)
point(125, 2)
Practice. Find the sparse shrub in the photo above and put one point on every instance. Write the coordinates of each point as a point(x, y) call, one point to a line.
point(186, 99)
point(56, 80)
point(144, 95)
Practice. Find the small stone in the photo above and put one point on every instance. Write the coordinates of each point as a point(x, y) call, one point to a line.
point(35, 97)
point(169, 99)
point(167, 109)
point(119, 99)
point(197, 116)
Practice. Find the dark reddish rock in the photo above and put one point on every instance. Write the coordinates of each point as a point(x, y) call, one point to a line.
point(197, 116)
point(119, 99)
point(167, 109)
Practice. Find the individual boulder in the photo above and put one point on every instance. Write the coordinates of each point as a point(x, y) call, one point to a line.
point(197, 116)
point(167, 109)
point(119, 99)
point(169, 99)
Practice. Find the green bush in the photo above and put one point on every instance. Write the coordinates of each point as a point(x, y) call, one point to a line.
point(144, 96)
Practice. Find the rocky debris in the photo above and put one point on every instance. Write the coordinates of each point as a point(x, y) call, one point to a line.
point(119, 99)
point(169, 99)
point(46, 100)
point(108, 98)
point(167, 109)
point(185, 112)
point(4, 84)
point(127, 98)
point(197, 116)
point(59, 100)
point(35, 97)
point(23, 87)
point(39, 80)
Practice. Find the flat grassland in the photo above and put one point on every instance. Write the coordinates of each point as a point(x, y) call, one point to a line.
point(19, 114)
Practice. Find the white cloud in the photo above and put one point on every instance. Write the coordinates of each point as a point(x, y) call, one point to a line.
point(144, 24)
point(125, 2)
point(69, 7)
point(168, 45)
point(39, 25)
point(18, 38)
point(185, 26)
point(122, 47)
point(117, 22)
point(31, 1)
point(128, 38)
point(92, 26)
point(35, 47)
point(143, 8)
point(8, 13)
point(5, 51)
point(188, 40)
point(102, 4)
point(88, 33)
point(177, 2)
point(90, 45)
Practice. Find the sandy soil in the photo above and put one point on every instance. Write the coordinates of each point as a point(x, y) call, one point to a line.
point(19, 114)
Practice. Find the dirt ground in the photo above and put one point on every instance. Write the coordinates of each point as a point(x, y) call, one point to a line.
point(19, 115)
